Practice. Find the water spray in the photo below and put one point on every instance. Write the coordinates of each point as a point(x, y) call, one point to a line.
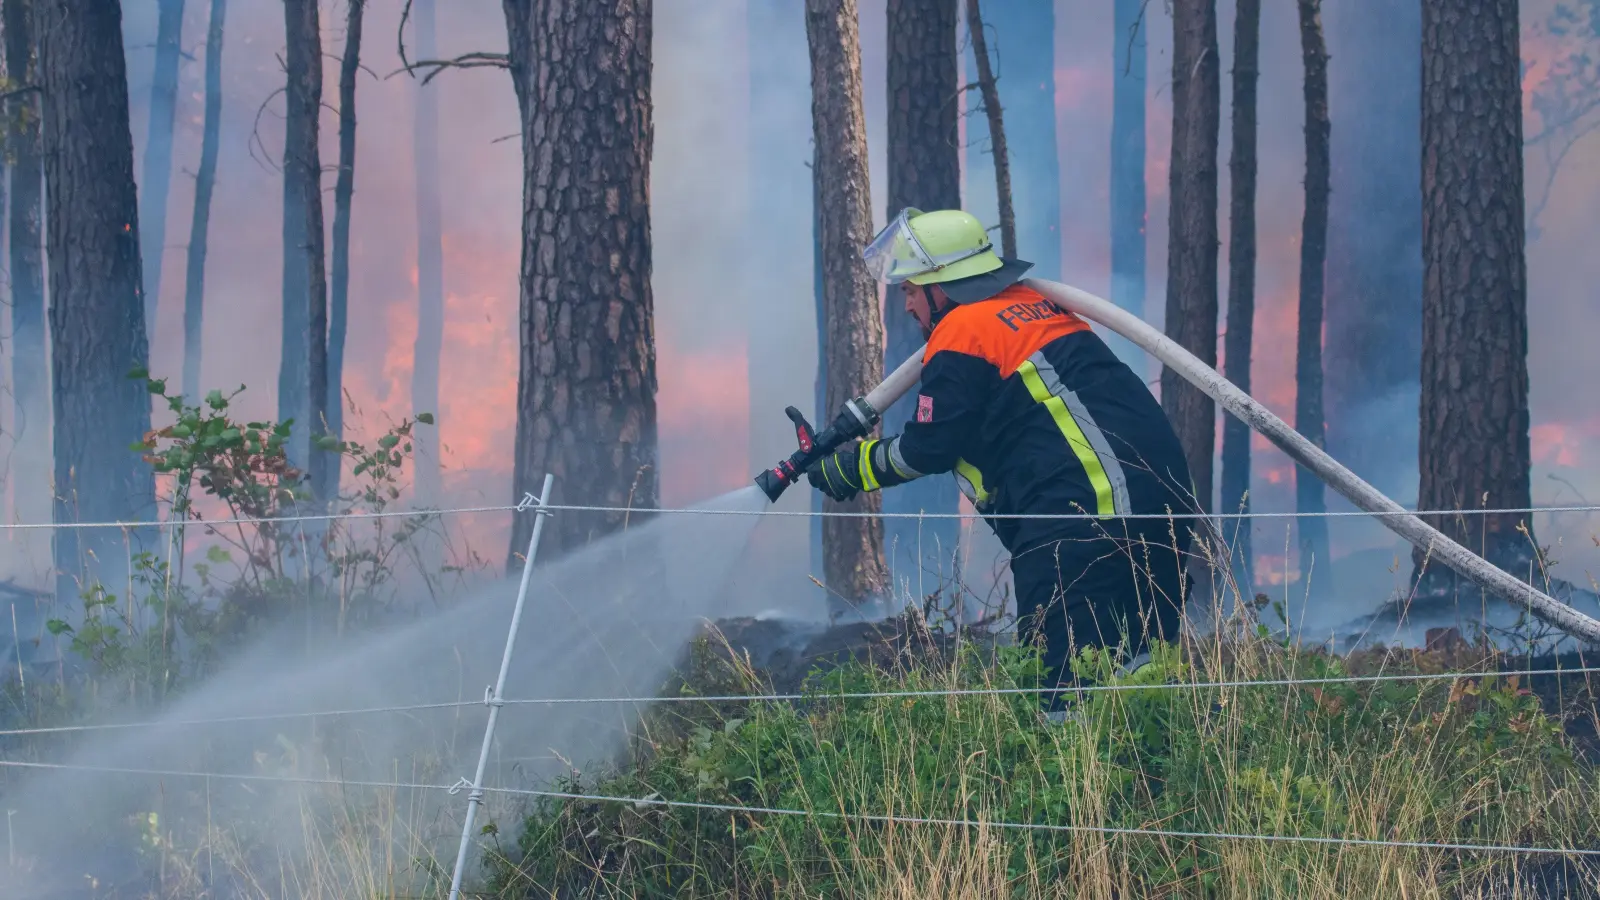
point(850, 425)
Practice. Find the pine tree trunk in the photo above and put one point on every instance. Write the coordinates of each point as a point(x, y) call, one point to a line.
point(853, 561)
point(1240, 337)
point(430, 267)
point(586, 408)
point(96, 311)
point(924, 172)
point(344, 188)
point(1192, 243)
point(157, 175)
point(994, 114)
point(303, 371)
point(1128, 210)
point(1474, 410)
point(1373, 323)
point(194, 289)
point(1315, 557)
point(29, 354)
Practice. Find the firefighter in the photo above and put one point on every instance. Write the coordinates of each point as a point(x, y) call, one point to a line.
point(1035, 417)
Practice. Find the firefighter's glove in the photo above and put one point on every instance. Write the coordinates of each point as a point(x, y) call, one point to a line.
point(865, 466)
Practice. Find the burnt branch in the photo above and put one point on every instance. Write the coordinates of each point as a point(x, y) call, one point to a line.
point(997, 130)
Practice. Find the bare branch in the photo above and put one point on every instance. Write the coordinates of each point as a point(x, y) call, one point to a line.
point(475, 60)
point(255, 135)
point(400, 37)
point(17, 92)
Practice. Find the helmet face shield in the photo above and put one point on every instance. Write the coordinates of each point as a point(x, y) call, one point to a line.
point(896, 254)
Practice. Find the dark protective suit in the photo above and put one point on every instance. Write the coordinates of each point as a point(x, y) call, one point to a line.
point(1036, 416)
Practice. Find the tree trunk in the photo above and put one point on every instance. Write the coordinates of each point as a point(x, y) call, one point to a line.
point(303, 371)
point(995, 114)
point(430, 267)
point(194, 290)
point(344, 188)
point(853, 546)
point(157, 176)
point(1128, 211)
point(1308, 417)
point(1240, 336)
point(30, 377)
point(924, 172)
point(586, 408)
point(96, 311)
point(1192, 242)
point(1021, 42)
point(1474, 410)
point(1373, 320)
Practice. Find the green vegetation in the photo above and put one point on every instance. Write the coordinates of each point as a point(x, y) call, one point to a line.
point(1459, 761)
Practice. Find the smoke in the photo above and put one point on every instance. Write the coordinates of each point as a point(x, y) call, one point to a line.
point(607, 621)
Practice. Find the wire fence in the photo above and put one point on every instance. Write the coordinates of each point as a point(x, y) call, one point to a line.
point(812, 696)
point(871, 818)
point(477, 789)
point(787, 513)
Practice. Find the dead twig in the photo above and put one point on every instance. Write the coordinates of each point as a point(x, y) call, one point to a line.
point(474, 60)
point(997, 129)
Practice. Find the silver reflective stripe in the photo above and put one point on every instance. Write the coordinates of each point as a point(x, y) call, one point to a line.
point(897, 461)
point(1091, 431)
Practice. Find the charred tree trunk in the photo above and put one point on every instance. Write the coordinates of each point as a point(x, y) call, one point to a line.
point(1475, 444)
point(1128, 211)
point(157, 177)
point(853, 561)
point(344, 188)
point(430, 268)
point(194, 289)
point(30, 377)
point(586, 408)
point(995, 114)
point(924, 172)
point(1192, 244)
point(1373, 319)
point(303, 370)
point(1308, 417)
point(96, 309)
point(1020, 43)
point(1239, 339)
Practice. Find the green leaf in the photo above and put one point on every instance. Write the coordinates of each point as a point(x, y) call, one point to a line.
point(425, 418)
point(139, 373)
point(57, 627)
point(141, 446)
point(217, 555)
point(388, 441)
point(215, 400)
point(156, 386)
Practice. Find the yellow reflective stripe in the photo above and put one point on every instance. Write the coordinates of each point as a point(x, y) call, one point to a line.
point(864, 464)
point(1074, 435)
point(974, 479)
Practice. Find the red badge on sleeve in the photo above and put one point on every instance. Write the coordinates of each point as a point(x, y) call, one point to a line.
point(924, 408)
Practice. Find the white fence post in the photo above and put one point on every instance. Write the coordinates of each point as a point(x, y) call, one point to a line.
point(493, 696)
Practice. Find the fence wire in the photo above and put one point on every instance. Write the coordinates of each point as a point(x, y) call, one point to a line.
point(871, 818)
point(788, 513)
point(815, 696)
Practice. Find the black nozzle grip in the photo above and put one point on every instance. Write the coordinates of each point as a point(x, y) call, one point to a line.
point(804, 434)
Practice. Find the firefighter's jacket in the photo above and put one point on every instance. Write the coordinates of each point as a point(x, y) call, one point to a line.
point(1035, 415)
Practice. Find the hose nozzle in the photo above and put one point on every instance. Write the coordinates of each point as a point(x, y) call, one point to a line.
point(856, 420)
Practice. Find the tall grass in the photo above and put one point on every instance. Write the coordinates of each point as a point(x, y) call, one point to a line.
point(1450, 761)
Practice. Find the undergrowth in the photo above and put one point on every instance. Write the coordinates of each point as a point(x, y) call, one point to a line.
point(1469, 760)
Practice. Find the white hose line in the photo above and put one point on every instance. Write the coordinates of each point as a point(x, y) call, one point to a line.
point(1399, 520)
point(1396, 517)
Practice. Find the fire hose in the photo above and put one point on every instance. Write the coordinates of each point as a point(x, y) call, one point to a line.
point(861, 415)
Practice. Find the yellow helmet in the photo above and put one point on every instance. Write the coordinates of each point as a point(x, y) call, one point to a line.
point(931, 248)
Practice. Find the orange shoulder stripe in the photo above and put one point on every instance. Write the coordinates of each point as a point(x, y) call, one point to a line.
point(1005, 329)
